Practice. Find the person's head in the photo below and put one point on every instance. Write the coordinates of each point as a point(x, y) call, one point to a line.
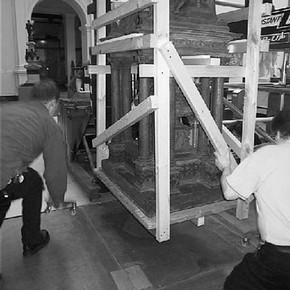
point(47, 92)
point(281, 125)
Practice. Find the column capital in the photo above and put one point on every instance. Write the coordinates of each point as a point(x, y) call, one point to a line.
point(85, 28)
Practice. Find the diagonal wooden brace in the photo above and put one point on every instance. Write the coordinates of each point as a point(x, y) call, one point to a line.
point(194, 98)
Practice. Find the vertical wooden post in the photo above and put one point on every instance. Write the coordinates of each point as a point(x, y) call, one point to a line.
point(251, 89)
point(162, 124)
point(172, 120)
point(101, 90)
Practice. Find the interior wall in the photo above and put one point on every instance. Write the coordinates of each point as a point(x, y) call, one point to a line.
point(8, 50)
point(14, 15)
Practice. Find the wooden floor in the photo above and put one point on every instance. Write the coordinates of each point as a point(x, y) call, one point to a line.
point(103, 247)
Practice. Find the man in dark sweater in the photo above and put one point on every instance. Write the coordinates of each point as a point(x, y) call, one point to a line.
point(27, 129)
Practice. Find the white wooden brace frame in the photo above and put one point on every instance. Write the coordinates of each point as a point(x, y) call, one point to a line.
point(168, 63)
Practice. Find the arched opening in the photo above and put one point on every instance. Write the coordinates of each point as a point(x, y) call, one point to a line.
point(58, 38)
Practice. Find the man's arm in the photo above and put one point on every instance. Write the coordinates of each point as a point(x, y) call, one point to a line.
point(225, 165)
point(228, 192)
point(55, 174)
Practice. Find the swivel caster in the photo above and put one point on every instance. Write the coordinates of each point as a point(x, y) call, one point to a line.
point(48, 209)
point(73, 209)
point(248, 237)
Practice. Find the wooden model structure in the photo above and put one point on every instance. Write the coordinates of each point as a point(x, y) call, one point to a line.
point(168, 75)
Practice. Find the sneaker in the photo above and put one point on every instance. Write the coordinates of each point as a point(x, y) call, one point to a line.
point(44, 239)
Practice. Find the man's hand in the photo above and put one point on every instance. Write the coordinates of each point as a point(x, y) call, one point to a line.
point(59, 205)
point(63, 205)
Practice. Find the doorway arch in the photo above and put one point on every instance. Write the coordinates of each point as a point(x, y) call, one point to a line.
point(67, 8)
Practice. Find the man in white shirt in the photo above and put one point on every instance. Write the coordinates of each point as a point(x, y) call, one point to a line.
point(266, 174)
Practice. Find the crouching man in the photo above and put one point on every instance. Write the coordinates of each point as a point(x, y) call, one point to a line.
point(27, 129)
point(266, 173)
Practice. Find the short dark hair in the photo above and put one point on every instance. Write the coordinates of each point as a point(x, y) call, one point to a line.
point(281, 123)
point(45, 90)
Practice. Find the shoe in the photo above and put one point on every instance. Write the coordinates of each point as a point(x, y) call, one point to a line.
point(44, 239)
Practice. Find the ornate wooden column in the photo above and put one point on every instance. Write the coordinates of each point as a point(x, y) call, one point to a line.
point(126, 92)
point(144, 165)
point(121, 95)
point(145, 134)
point(217, 101)
point(203, 143)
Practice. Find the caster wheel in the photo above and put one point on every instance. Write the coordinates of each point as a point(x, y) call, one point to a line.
point(245, 242)
point(48, 209)
point(73, 210)
point(252, 237)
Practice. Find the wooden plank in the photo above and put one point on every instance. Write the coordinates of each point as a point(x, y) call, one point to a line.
point(229, 4)
point(213, 71)
point(233, 142)
point(240, 46)
point(251, 89)
point(132, 278)
point(131, 42)
point(194, 98)
point(99, 69)
point(198, 221)
point(106, 69)
point(162, 125)
point(121, 11)
point(200, 211)
point(252, 77)
point(102, 151)
point(142, 110)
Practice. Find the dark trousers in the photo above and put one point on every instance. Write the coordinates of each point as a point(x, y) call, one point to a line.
point(31, 192)
point(267, 269)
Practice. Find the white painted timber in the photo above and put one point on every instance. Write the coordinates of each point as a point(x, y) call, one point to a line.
point(162, 124)
point(102, 151)
point(142, 110)
point(240, 46)
point(251, 89)
point(106, 69)
point(121, 11)
point(214, 71)
point(148, 70)
point(131, 42)
point(99, 69)
point(233, 142)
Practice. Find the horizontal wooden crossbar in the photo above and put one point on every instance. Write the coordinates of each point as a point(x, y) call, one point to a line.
point(128, 43)
point(214, 71)
point(142, 110)
point(106, 69)
point(122, 11)
point(148, 70)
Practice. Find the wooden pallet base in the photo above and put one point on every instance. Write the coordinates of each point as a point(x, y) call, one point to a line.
point(175, 217)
